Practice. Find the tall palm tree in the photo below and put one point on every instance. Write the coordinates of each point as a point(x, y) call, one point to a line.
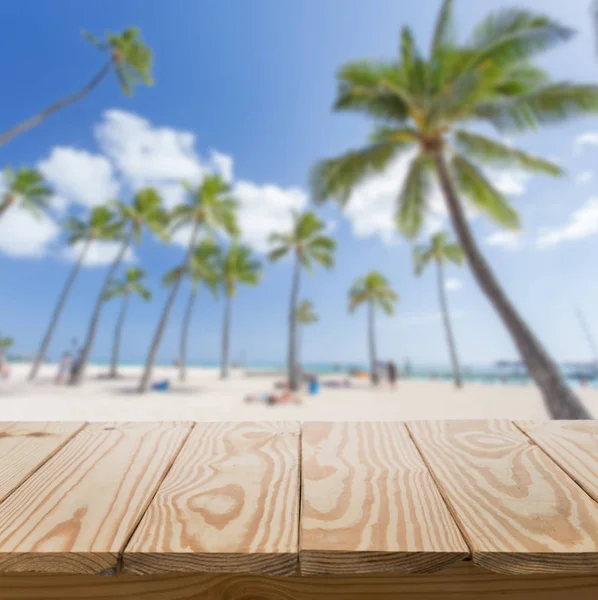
point(145, 212)
point(132, 63)
point(27, 188)
point(236, 266)
point(132, 283)
point(375, 291)
point(308, 244)
point(441, 250)
point(423, 104)
point(99, 225)
point(305, 315)
point(202, 268)
point(209, 207)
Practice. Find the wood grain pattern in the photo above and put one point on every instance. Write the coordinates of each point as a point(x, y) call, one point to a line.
point(573, 445)
point(230, 503)
point(25, 446)
point(369, 503)
point(461, 581)
point(519, 512)
point(76, 512)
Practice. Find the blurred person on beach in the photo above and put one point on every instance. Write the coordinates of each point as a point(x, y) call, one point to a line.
point(64, 369)
point(392, 374)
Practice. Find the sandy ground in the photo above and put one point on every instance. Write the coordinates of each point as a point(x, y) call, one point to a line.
point(205, 398)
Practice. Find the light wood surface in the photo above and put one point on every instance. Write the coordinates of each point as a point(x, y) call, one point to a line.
point(461, 581)
point(77, 511)
point(369, 503)
point(25, 446)
point(519, 512)
point(230, 503)
point(573, 445)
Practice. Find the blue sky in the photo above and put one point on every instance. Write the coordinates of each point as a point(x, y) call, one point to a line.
point(254, 82)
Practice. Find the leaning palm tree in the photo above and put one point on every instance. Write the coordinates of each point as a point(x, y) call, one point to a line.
point(132, 63)
point(101, 224)
point(305, 315)
point(441, 250)
point(145, 212)
point(209, 207)
point(236, 266)
point(27, 188)
point(132, 283)
point(202, 268)
point(308, 243)
point(422, 104)
point(375, 291)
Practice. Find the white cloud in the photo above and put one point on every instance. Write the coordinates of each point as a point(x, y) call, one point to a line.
point(509, 240)
point(98, 255)
point(223, 164)
point(589, 138)
point(509, 181)
point(146, 155)
point(584, 177)
point(420, 319)
point(79, 177)
point(264, 209)
point(582, 223)
point(453, 284)
point(24, 236)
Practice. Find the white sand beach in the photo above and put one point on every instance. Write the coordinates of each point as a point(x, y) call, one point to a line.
point(204, 397)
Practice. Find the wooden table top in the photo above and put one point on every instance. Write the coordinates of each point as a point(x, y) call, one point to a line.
point(276, 498)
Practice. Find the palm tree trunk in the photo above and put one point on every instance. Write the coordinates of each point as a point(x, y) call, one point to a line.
point(36, 119)
point(292, 356)
point(95, 316)
point(185, 333)
point(4, 206)
point(144, 382)
point(225, 339)
point(560, 401)
point(448, 330)
point(118, 330)
point(57, 312)
point(372, 342)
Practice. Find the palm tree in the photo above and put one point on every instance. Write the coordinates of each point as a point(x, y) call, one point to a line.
point(99, 225)
point(237, 266)
point(132, 62)
point(145, 212)
point(308, 243)
point(132, 283)
point(5, 343)
point(374, 290)
point(440, 251)
point(203, 268)
point(210, 207)
point(422, 104)
point(305, 315)
point(26, 187)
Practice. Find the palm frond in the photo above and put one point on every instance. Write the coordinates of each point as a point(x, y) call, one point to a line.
point(515, 34)
point(551, 104)
point(482, 194)
point(412, 198)
point(490, 151)
point(278, 253)
point(421, 258)
point(336, 178)
point(444, 32)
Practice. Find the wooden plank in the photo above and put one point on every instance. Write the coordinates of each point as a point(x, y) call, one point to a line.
point(230, 503)
point(519, 512)
point(369, 503)
point(573, 445)
point(26, 446)
point(75, 514)
point(462, 581)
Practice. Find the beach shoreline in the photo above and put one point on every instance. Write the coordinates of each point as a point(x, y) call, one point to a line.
point(204, 397)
